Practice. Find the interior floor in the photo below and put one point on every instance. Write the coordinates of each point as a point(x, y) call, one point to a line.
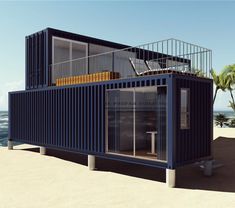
point(139, 153)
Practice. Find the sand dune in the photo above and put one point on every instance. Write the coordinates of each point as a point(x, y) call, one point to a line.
point(61, 179)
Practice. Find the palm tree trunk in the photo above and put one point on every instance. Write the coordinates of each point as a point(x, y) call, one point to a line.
point(216, 90)
point(231, 93)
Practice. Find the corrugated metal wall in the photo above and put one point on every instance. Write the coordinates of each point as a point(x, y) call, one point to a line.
point(71, 117)
point(36, 53)
point(195, 142)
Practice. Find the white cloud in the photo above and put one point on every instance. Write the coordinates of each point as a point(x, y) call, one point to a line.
point(8, 87)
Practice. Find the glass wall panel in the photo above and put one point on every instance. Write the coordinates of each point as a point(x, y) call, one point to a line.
point(61, 51)
point(61, 66)
point(120, 121)
point(136, 120)
point(145, 121)
point(122, 63)
point(161, 123)
point(79, 66)
point(65, 53)
point(182, 66)
point(102, 62)
point(118, 61)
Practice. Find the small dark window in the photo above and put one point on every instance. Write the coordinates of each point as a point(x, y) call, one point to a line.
point(184, 108)
point(163, 81)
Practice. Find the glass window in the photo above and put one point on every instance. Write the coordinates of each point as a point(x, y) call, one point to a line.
point(136, 120)
point(108, 61)
point(79, 66)
point(102, 62)
point(146, 122)
point(182, 66)
point(122, 63)
point(61, 51)
point(64, 52)
point(120, 121)
point(184, 109)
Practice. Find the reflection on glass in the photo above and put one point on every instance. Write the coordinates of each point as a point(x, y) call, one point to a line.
point(67, 58)
point(120, 121)
point(61, 51)
point(145, 122)
point(61, 55)
point(79, 66)
point(137, 122)
point(102, 62)
point(184, 109)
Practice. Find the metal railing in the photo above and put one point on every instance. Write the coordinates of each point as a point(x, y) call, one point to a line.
point(170, 54)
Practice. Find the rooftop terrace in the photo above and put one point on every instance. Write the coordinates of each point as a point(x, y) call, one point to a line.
point(164, 56)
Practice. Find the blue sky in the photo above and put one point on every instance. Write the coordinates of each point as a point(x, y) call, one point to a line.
point(210, 24)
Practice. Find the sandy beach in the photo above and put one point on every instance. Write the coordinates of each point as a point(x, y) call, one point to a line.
point(61, 179)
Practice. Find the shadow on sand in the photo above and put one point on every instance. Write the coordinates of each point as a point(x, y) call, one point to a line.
point(223, 178)
point(188, 177)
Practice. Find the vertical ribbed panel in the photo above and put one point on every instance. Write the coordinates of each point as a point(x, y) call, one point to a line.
point(36, 60)
point(195, 142)
point(67, 118)
point(73, 117)
point(70, 118)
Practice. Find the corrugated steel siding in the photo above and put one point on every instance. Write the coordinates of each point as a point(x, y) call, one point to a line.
point(194, 143)
point(36, 53)
point(71, 117)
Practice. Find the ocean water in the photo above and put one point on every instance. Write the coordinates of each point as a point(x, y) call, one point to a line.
point(3, 128)
point(229, 114)
point(4, 124)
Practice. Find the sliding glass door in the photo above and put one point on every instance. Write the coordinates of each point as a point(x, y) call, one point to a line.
point(136, 122)
point(120, 121)
point(145, 121)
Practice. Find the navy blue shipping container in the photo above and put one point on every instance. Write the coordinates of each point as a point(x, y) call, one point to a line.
point(73, 117)
point(159, 113)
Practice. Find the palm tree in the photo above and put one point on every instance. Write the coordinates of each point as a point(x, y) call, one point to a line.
point(221, 120)
point(199, 73)
point(229, 76)
point(232, 123)
point(232, 105)
point(219, 81)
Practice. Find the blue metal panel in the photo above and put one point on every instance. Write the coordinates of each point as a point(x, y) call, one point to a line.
point(194, 143)
point(87, 119)
point(102, 108)
point(36, 60)
point(170, 127)
point(73, 118)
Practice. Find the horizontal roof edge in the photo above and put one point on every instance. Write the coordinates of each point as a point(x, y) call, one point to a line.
point(89, 39)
